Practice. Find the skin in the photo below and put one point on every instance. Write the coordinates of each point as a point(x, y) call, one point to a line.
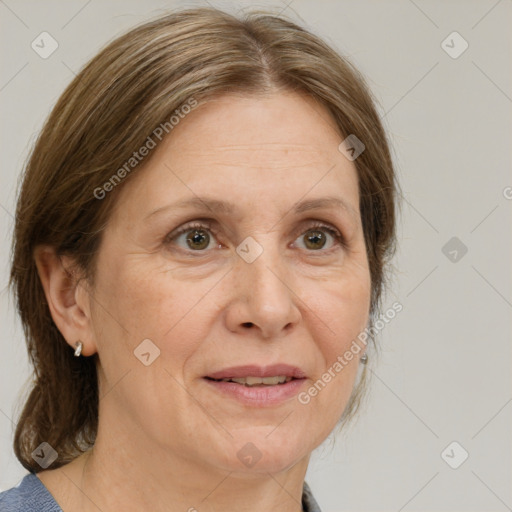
point(166, 440)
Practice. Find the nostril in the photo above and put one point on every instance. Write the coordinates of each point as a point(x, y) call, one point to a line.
point(248, 324)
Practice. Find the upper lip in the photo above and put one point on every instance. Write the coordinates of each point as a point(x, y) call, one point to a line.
point(274, 370)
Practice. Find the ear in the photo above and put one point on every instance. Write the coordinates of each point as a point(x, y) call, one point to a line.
point(68, 299)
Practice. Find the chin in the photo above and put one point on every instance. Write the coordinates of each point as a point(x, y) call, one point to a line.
point(264, 451)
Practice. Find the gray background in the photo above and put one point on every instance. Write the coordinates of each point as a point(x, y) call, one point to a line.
point(445, 371)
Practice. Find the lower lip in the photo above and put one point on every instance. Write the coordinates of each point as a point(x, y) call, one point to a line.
point(258, 396)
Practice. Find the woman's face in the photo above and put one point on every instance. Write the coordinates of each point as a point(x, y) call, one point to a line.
point(257, 277)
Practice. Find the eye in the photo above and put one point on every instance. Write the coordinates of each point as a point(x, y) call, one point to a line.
point(316, 237)
point(196, 237)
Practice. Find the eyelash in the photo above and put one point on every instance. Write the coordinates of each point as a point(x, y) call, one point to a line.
point(208, 226)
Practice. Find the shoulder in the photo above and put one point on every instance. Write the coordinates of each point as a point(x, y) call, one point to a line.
point(30, 495)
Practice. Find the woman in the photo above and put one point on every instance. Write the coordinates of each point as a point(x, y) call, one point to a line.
point(201, 240)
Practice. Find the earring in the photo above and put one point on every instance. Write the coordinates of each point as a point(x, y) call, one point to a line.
point(79, 345)
point(364, 358)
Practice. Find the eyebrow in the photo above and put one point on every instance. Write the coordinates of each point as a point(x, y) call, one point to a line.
point(208, 204)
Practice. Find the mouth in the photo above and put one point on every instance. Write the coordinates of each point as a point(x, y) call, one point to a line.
point(258, 386)
point(252, 381)
point(257, 375)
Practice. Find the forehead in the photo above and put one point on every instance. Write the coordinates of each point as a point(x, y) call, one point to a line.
point(274, 126)
point(280, 148)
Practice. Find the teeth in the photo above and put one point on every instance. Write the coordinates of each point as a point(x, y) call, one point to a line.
point(258, 381)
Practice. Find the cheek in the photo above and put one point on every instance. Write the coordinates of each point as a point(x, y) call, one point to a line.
point(140, 302)
point(343, 306)
point(330, 391)
point(133, 304)
point(344, 311)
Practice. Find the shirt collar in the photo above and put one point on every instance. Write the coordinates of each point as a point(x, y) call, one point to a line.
point(309, 503)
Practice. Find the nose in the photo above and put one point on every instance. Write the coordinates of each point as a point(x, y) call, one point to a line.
point(262, 296)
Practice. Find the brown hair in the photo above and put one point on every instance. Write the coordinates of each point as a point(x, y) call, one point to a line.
point(111, 107)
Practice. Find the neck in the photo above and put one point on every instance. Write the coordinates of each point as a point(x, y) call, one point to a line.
point(123, 473)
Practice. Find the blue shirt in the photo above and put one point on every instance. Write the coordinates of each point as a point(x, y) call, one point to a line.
point(30, 495)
